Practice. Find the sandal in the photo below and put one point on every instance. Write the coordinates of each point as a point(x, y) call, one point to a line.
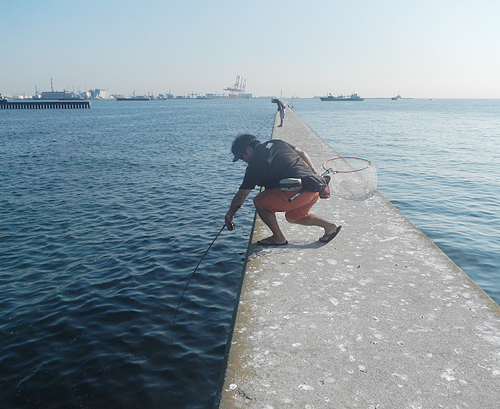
point(270, 242)
point(329, 237)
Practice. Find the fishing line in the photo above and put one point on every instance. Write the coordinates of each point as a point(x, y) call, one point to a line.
point(196, 268)
point(265, 125)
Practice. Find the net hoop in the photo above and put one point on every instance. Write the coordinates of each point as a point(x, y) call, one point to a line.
point(365, 162)
point(352, 178)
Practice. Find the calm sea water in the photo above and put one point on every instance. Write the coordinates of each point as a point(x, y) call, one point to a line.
point(437, 162)
point(104, 214)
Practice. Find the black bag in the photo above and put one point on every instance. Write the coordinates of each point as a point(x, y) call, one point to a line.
point(314, 183)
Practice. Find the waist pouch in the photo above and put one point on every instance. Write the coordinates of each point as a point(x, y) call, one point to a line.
point(326, 193)
point(290, 184)
point(314, 183)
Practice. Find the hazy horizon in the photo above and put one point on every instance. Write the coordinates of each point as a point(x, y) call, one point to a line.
point(429, 49)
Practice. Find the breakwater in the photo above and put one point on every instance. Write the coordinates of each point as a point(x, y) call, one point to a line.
point(45, 105)
point(379, 317)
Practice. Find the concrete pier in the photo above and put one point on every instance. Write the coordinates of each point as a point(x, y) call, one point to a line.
point(378, 318)
point(44, 105)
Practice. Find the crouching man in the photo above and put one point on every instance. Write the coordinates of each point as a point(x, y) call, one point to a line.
point(268, 163)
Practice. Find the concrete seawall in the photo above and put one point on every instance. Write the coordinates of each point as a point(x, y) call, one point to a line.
point(378, 318)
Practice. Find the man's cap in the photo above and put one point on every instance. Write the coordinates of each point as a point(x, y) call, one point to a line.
point(240, 143)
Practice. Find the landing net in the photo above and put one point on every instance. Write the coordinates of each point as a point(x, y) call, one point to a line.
point(352, 178)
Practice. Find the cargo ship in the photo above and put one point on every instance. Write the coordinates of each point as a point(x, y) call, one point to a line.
point(352, 97)
point(134, 98)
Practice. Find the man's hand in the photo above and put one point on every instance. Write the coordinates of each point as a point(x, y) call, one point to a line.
point(238, 200)
point(228, 221)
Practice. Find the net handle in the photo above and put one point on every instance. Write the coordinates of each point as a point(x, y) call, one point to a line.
point(345, 171)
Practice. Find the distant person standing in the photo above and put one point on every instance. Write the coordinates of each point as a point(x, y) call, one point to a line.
point(281, 109)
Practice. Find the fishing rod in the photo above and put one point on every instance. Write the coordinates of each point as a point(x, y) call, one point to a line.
point(229, 227)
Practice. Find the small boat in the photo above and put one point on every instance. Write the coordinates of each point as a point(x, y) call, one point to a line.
point(396, 97)
point(352, 97)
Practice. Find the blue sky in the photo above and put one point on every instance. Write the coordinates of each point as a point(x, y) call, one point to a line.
point(377, 48)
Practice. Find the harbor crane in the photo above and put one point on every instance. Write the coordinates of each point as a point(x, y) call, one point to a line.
point(237, 88)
